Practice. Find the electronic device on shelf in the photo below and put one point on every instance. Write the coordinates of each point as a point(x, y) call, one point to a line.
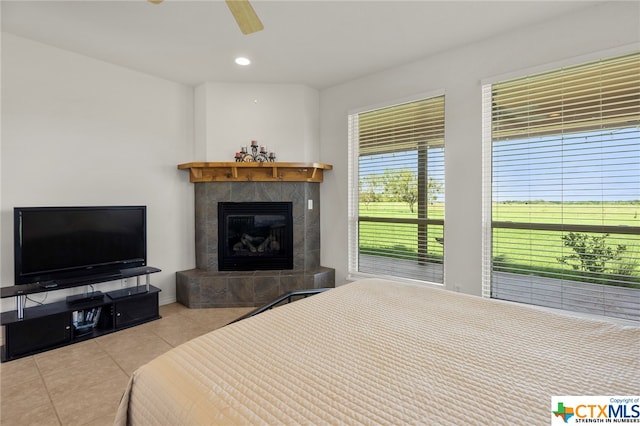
point(126, 292)
point(61, 247)
point(77, 299)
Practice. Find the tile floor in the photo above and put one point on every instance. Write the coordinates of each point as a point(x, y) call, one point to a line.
point(82, 384)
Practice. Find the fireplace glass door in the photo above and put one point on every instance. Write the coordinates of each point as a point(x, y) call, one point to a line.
point(255, 236)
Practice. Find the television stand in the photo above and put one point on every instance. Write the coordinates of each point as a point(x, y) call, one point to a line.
point(40, 328)
point(58, 324)
point(20, 292)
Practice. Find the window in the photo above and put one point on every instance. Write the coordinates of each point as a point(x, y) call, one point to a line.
point(565, 188)
point(396, 197)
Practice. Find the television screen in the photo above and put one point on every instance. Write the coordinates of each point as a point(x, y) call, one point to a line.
point(54, 243)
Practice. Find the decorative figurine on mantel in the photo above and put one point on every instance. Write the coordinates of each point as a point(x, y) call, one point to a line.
point(255, 156)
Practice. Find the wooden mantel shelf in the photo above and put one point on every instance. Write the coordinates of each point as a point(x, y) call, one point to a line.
point(231, 171)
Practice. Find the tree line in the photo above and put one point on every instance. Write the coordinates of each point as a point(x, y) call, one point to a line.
point(396, 185)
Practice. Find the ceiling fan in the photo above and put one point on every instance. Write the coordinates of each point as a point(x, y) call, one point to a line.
point(243, 13)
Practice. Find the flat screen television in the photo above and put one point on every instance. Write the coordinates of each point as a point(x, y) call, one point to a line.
point(61, 243)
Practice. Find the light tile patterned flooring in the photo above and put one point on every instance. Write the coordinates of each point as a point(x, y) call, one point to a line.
point(82, 384)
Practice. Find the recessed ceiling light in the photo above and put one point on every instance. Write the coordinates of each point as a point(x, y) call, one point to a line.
point(243, 61)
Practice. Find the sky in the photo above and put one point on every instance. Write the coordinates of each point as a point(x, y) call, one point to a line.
point(577, 167)
point(594, 166)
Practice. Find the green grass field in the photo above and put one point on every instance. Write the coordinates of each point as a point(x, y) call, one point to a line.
point(614, 214)
point(399, 240)
point(514, 250)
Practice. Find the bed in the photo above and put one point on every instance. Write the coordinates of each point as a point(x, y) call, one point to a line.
point(381, 352)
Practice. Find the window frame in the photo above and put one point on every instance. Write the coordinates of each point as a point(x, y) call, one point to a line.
point(488, 223)
point(354, 217)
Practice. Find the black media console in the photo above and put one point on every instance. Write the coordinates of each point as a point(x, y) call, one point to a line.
point(40, 328)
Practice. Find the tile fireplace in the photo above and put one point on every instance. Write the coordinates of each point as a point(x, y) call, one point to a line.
point(216, 282)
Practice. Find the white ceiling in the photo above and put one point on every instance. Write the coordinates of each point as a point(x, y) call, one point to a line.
point(316, 43)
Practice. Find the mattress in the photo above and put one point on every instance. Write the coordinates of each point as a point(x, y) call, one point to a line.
point(382, 352)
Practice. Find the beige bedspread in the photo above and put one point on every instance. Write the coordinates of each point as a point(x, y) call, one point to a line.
point(379, 352)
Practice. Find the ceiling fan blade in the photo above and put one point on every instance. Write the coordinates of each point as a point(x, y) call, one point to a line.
point(245, 16)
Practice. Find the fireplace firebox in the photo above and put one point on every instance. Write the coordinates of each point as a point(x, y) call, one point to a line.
point(255, 236)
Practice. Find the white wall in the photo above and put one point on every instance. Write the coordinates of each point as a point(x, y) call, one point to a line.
point(77, 131)
point(282, 117)
point(459, 73)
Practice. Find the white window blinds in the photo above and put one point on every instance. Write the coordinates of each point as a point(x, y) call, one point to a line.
point(566, 188)
point(397, 191)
